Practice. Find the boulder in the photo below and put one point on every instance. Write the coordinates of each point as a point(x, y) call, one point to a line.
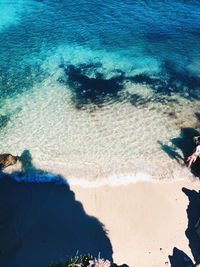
point(7, 160)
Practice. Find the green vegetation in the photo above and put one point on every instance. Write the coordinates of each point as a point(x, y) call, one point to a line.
point(74, 262)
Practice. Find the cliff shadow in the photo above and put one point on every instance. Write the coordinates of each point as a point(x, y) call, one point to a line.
point(185, 140)
point(42, 223)
point(193, 213)
point(185, 143)
point(171, 152)
point(180, 259)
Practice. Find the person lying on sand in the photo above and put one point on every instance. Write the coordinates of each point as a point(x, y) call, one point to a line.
point(193, 157)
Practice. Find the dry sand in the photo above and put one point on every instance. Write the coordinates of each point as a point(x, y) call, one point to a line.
point(145, 221)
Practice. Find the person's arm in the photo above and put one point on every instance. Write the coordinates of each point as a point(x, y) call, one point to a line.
point(192, 155)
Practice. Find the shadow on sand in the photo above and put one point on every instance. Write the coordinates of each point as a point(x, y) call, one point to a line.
point(42, 223)
point(185, 143)
point(179, 258)
point(193, 213)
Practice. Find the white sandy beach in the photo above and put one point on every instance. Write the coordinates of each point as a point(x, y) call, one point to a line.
point(145, 221)
point(45, 220)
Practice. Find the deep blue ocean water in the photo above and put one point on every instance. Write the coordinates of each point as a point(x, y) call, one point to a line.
point(137, 37)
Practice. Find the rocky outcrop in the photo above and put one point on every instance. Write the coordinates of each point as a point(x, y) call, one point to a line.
point(86, 261)
point(7, 160)
point(103, 263)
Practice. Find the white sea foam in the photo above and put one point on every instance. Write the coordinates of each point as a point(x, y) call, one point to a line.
point(115, 180)
point(120, 180)
point(131, 176)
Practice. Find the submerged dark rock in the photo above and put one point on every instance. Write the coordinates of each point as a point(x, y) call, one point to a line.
point(96, 89)
point(138, 100)
point(4, 119)
point(90, 86)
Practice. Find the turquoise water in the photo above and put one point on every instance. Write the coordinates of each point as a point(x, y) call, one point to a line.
point(143, 37)
point(95, 92)
point(91, 84)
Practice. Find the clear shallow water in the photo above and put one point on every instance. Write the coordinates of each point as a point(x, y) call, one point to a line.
point(95, 89)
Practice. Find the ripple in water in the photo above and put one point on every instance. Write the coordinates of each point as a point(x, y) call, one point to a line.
point(100, 95)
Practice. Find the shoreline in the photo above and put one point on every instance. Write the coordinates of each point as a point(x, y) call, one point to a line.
point(145, 221)
point(122, 177)
point(25, 169)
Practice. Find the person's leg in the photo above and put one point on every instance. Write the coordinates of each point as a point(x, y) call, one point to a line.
point(191, 161)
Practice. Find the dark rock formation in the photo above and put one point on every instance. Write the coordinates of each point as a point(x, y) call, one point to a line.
point(92, 90)
point(7, 160)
